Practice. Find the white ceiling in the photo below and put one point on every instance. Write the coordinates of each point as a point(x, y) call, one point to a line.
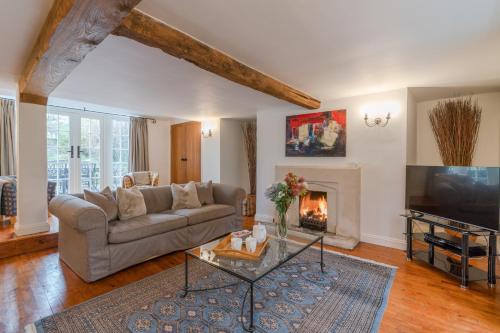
point(20, 22)
point(324, 47)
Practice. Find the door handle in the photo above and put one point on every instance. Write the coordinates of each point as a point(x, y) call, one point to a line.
point(72, 152)
point(78, 151)
point(184, 159)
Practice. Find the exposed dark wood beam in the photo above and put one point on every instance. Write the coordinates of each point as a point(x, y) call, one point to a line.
point(72, 29)
point(151, 32)
point(33, 99)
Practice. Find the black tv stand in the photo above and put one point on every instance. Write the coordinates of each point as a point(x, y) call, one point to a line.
point(461, 246)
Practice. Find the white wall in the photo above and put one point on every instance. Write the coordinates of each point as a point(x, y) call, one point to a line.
point(411, 128)
point(381, 153)
point(31, 169)
point(223, 158)
point(159, 149)
point(233, 158)
point(210, 152)
point(488, 144)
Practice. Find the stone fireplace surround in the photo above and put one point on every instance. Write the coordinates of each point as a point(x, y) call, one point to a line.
point(343, 188)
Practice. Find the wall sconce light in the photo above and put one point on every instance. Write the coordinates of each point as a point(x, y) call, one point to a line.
point(206, 133)
point(377, 121)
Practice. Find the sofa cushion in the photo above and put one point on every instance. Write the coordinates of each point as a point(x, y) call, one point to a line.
point(204, 213)
point(158, 199)
point(185, 196)
point(144, 226)
point(130, 203)
point(205, 193)
point(105, 200)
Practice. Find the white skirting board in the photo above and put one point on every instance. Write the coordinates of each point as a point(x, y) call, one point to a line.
point(395, 243)
point(28, 229)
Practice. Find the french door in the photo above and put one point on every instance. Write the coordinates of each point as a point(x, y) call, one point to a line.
point(74, 151)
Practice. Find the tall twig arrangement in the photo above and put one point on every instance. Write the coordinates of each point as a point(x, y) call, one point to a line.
point(249, 129)
point(455, 124)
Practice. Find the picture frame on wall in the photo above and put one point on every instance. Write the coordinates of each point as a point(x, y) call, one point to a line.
point(318, 134)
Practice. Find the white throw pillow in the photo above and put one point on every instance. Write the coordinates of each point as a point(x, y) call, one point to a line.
point(185, 197)
point(130, 203)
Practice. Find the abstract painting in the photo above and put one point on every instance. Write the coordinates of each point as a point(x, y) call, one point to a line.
point(316, 134)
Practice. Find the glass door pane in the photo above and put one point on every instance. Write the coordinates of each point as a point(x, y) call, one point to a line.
point(89, 152)
point(120, 150)
point(58, 151)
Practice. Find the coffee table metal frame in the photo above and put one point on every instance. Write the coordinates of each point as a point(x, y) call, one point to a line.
point(250, 289)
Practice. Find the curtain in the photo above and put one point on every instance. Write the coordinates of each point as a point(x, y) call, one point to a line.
point(138, 150)
point(7, 160)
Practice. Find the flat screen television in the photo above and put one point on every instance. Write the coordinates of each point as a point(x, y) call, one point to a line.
point(469, 195)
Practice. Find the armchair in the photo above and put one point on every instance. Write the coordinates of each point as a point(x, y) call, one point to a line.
point(141, 179)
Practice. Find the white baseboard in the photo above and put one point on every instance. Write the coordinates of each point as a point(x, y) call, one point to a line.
point(396, 243)
point(23, 229)
point(263, 218)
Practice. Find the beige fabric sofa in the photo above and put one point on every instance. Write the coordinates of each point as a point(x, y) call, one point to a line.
point(94, 248)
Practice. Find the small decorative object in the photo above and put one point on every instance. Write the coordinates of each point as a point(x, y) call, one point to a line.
point(283, 194)
point(224, 249)
point(249, 129)
point(455, 124)
point(317, 134)
point(251, 244)
point(260, 232)
point(241, 234)
point(236, 243)
point(378, 121)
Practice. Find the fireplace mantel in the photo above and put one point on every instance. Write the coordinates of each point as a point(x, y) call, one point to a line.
point(343, 185)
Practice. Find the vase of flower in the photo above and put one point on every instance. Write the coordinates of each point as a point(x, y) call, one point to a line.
point(283, 194)
point(282, 225)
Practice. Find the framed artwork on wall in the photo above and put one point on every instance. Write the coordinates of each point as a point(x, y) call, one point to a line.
point(319, 134)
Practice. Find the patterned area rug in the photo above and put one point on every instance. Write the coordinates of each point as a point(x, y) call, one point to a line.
point(349, 297)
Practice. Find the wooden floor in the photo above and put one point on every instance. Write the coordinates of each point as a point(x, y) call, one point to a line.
point(11, 244)
point(422, 299)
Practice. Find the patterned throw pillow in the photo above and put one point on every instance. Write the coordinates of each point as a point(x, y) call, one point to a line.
point(205, 193)
point(105, 200)
point(130, 203)
point(185, 197)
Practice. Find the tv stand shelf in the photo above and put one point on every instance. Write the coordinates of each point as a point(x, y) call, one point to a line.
point(457, 247)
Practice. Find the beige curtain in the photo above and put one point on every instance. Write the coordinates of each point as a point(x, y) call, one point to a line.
point(139, 151)
point(7, 119)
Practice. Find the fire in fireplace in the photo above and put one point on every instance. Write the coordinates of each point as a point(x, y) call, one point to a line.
point(313, 211)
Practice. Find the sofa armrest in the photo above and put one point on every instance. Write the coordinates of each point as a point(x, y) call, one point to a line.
point(229, 195)
point(79, 214)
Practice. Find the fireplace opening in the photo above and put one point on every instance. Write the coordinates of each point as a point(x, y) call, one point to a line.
point(313, 211)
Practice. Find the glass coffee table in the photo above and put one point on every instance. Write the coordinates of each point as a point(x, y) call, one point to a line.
point(277, 253)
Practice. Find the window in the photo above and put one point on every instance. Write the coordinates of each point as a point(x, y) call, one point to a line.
point(58, 145)
point(86, 150)
point(120, 151)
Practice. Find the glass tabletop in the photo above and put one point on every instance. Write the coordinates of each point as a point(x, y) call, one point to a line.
point(276, 253)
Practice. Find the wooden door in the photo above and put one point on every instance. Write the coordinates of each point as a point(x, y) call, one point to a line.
point(186, 152)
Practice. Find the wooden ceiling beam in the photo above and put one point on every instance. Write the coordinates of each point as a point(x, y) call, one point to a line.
point(73, 28)
point(151, 32)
